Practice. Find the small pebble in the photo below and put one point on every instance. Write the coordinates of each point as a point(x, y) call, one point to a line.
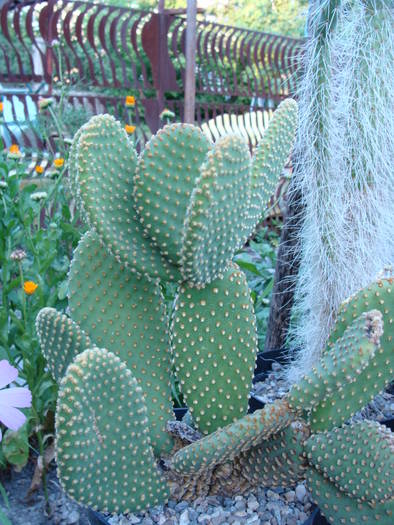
point(300, 492)
point(73, 518)
point(290, 496)
point(132, 519)
point(184, 518)
point(253, 504)
point(181, 506)
point(253, 520)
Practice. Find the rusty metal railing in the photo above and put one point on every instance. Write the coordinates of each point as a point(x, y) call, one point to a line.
point(113, 51)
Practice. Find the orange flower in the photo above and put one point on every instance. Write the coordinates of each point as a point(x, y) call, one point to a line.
point(29, 287)
point(130, 101)
point(14, 148)
point(14, 152)
point(1, 106)
point(58, 163)
point(39, 169)
point(129, 129)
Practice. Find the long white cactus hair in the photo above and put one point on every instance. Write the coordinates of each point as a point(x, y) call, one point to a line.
point(345, 174)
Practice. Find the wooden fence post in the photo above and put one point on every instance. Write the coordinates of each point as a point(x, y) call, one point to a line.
point(190, 72)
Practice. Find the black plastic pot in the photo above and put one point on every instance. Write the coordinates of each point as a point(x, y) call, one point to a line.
point(314, 519)
point(179, 413)
point(389, 423)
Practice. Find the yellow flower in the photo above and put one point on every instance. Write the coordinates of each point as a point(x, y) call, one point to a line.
point(39, 169)
point(29, 287)
point(166, 113)
point(1, 106)
point(130, 101)
point(129, 129)
point(44, 103)
point(58, 163)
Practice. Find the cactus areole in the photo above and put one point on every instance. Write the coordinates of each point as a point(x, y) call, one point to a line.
point(178, 213)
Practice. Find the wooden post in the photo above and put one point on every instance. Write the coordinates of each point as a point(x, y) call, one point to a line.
point(161, 6)
point(190, 73)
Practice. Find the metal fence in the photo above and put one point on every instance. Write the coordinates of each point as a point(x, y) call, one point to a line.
point(104, 52)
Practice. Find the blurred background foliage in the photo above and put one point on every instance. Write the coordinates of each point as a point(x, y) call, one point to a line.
point(284, 17)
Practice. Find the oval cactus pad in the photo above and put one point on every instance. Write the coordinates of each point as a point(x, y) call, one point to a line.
point(105, 460)
point(213, 229)
point(214, 344)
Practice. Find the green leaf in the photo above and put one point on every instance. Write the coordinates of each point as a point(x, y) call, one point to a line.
point(16, 446)
point(62, 290)
point(4, 494)
point(246, 262)
point(3, 518)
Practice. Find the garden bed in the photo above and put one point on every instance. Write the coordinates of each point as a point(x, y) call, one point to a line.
point(279, 506)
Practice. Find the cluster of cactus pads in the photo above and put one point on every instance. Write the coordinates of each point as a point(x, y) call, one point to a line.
point(178, 213)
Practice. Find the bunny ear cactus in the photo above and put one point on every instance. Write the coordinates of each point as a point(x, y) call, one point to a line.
point(348, 469)
point(177, 213)
point(218, 210)
point(270, 156)
point(338, 455)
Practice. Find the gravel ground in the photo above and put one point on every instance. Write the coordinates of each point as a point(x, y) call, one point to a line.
point(263, 507)
point(24, 510)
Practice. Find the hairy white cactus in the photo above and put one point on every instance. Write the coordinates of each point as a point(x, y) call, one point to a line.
point(346, 149)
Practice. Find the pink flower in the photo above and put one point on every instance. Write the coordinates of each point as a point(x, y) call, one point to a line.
point(12, 398)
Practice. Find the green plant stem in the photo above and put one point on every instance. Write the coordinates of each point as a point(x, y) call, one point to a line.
point(58, 128)
point(23, 295)
point(53, 191)
point(41, 450)
point(44, 473)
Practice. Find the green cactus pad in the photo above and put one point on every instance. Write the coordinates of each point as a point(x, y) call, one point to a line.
point(379, 295)
point(103, 452)
point(125, 313)
point(279, 461)
point(106, 163)
point(166, 174)
point(342, 366)
point(358, 459)
point(340, 509)
point(335, 409)
point(214, 345)
point(213, 228)
point(60, 340)
point(270, 158)
point(228, 442)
